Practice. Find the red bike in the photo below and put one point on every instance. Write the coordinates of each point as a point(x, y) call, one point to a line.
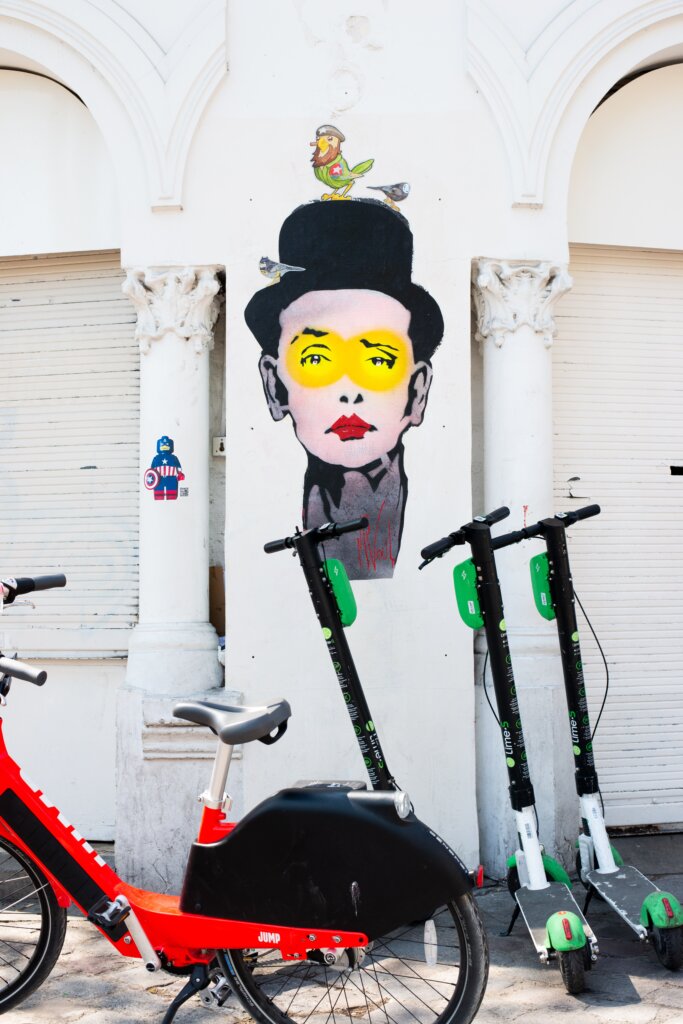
point(325, 899)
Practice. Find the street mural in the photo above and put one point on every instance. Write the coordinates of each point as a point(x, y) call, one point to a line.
point(347, 340)
point(165, 472)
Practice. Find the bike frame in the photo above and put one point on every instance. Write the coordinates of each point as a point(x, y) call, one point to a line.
point(155, 928)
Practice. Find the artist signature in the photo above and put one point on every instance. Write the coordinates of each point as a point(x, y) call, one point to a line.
point(373, 548)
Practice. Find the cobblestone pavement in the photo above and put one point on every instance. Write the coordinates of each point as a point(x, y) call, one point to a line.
point(91, 983)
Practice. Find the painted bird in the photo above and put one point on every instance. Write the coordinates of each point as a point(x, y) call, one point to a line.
point(330, 167)
point(273, 270)
point(393, 193)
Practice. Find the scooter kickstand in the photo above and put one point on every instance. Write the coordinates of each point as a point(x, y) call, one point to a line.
point(515, 915)
point(587, 901)
point(198, 980)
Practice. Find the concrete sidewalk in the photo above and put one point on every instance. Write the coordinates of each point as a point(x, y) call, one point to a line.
point(93, 984)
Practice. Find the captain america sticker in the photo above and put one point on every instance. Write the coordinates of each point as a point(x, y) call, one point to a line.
point(165, 473)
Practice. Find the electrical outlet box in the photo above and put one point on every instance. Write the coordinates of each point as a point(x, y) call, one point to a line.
point(219, 446)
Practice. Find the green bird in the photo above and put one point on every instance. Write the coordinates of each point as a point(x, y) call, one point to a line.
point(330, 167)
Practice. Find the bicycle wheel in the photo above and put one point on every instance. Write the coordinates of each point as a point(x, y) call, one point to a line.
point(422, 973)
point(32, 926)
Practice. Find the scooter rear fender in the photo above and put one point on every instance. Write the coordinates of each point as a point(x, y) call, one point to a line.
point(322, 857)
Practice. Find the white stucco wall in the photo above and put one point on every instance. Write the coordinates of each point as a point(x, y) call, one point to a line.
point(479, 106)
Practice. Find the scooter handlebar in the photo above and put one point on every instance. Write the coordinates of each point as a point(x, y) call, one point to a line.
point(328, 531)
point(537, 529)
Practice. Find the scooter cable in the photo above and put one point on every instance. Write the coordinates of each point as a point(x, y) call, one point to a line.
point(488, 700)
point(604, 699)
point(486, 692)
point(604, 659)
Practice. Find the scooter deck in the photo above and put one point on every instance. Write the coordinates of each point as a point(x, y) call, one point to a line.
point(624, 890)
point(537, 905)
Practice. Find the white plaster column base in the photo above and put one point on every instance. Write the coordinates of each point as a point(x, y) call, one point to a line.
point(177, 658)
point(162, 763)
point(163, 766)
point(540, 690)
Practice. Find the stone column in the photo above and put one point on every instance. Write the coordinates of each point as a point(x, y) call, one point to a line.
point(162, 764)
point(514, 304)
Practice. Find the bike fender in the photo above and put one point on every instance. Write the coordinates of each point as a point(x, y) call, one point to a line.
point(655, 912)
point(321, 857)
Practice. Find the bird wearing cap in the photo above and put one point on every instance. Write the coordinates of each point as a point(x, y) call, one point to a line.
point(330, 167)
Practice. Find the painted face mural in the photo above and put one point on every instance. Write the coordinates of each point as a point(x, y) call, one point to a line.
point(347, 343)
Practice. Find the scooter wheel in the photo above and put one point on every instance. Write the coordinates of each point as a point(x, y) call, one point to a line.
point(668, 945)
point(572, 970)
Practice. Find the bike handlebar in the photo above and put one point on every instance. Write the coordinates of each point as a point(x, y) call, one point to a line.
point(27, 584)
point(328, 531)
point(568, 518)
point(19, 670)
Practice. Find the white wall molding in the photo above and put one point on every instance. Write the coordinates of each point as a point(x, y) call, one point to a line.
point(184, 302)
point(530, 90)
point(163, 92)
point(509, 295)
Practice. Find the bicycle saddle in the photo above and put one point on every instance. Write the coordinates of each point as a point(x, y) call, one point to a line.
point(237, 724)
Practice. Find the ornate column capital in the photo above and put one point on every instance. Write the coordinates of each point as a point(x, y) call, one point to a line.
point(509, 294)
point(183, 301)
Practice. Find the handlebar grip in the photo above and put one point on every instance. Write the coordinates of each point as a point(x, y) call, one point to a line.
point(580, 513)
point(50, 582)
point(506, 539)
point(19, 670)
point(495, 517)
point(27, 584)
point(277, 545)
point(440, 547)
point(350, 526)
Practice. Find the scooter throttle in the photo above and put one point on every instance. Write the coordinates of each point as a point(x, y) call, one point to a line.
point(328, 530)
point(494, 517)
point(440, 547)
point(277, 545)
point(580, 513)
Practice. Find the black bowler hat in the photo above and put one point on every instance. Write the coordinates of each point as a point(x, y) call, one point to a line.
point(356, 243)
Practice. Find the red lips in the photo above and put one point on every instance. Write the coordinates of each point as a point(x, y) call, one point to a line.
point(350, 428)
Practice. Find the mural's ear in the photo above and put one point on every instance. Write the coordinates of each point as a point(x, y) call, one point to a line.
point(419, 390)
point(273, 388)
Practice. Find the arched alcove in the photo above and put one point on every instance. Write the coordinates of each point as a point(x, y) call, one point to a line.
point(57, 186)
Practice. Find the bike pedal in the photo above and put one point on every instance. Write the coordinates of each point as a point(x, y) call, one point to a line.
point(109, 914)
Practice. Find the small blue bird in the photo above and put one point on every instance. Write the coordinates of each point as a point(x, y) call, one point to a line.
point(393, 193)
point(273, 270)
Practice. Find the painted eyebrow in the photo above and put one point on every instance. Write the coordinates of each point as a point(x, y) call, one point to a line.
point(378, 344)
point(310, 330)
point(315, 344)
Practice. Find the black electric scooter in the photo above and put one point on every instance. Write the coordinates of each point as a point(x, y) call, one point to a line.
point(651, 913)
point(539, 884)
point(443, 951)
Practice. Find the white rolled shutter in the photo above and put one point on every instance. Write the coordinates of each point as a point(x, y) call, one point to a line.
point(69, 439)
point(618, 425)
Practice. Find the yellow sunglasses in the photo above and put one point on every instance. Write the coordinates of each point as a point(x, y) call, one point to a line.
point(378, 359)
